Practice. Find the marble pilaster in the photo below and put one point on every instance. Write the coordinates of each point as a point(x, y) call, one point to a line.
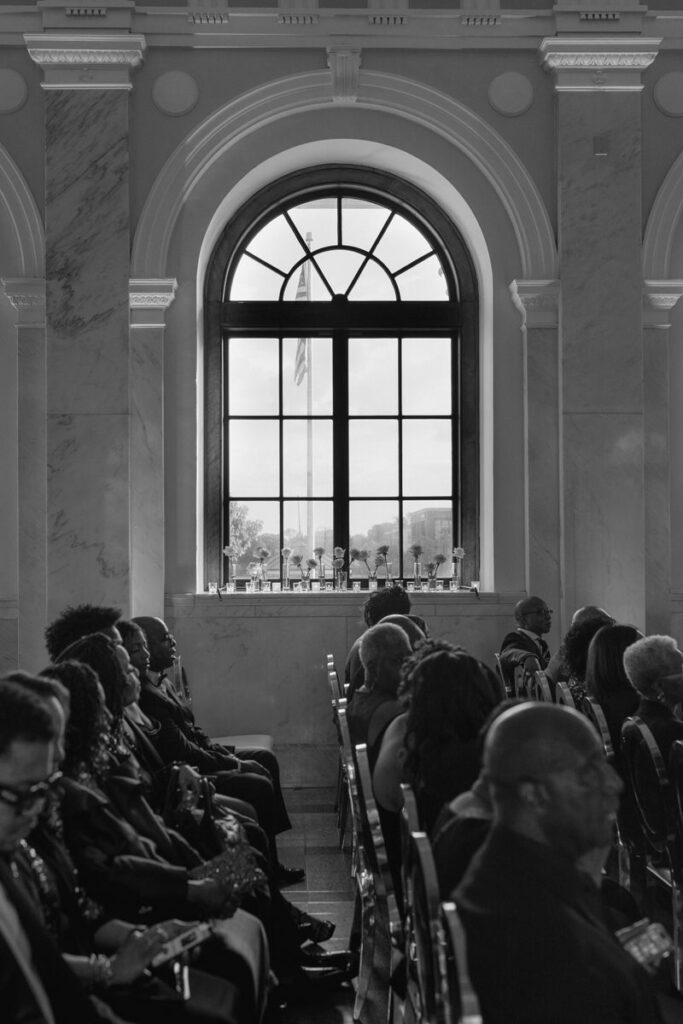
point(149, 301)
point(598, 84)
point(87, 270)
point(538, 303)
point(27, 295)
point(659, 298)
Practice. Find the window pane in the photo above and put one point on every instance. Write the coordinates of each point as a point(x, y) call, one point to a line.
point(429, 524)
point(254, 281)
point(254, 457)
point(372, 523)
point(307, 472)
point(319, 217)
point(340, 267)
point(373, 285)
point(276, 243)
point(402, 243)
point(423, 283)
point(373, 457)
point(308, 525)
point(362, 222)
point(253, 376)
point(426, 376)
point(318, 290)
point(427, 457)
point(373, 376)
point(319, 365)
point(254, 525)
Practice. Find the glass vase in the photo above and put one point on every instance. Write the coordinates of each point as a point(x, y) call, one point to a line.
point(417, 573)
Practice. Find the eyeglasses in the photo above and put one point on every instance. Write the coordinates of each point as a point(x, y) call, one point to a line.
point(24, 801)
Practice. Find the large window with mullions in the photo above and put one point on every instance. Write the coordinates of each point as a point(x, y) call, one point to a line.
point(341, 377)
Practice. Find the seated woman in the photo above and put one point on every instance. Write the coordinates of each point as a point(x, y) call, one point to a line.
point(654, 665)
point(82, 930)
point(575, 650)
point(606, 680)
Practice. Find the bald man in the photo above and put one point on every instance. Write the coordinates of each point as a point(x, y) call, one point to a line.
point(538, 948)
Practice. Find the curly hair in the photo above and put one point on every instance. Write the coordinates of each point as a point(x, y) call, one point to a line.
point(99, 652)
point(24, 716)
point(76, 622)
point(452, 696)
point(388, 601)
point(605, 673)
point(87, 734)
point(422, 649)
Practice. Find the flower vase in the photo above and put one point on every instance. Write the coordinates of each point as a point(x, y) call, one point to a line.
point(417, 573)
point(285, 575)
point(321, 572)
point(457, 575)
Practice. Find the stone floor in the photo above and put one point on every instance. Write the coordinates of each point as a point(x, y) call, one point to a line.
point(327, 892)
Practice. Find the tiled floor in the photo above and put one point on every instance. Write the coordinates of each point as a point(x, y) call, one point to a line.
point(327, 892)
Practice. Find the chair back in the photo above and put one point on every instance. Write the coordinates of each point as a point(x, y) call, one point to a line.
point(409, 823)
point(563, 695)
point(372, 830)
point(461, 1002)
point(504, 685)
point(594, 713)
point(650, 785)
point(425, 941)
point(540, 688)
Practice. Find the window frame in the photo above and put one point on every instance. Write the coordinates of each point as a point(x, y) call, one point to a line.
point(458, 320)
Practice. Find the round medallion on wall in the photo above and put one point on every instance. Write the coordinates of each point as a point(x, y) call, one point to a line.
point(511, 93)
point(669, 93)
point(13, 91)
point(175, 93)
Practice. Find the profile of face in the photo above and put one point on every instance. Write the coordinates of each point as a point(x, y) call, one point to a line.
point(138, 651)
point(537, 617)
point(130, 692)
point(671, 685)
point(162, 646)
point(24, 765)
point(581, 800)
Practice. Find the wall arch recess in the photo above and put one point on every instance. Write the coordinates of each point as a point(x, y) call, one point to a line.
point(21, 227)
point(663, 228)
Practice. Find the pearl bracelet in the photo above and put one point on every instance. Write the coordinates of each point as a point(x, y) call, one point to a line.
point(103, 970)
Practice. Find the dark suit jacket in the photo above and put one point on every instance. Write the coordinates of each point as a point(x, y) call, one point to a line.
point(179, 738)
point(665, 728)
point(538, 948)
point(522, 642)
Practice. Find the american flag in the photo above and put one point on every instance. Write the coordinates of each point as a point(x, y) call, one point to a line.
point(303, 294)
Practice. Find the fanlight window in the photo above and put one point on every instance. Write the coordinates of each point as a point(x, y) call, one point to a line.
point(336, 326)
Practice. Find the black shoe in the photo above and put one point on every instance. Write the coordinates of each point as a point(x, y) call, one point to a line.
point(344, 959)
point(289, 876)
point(309, 985)
point(313, 929)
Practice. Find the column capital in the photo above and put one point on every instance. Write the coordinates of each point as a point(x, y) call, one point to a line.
point(149, 300)
point(599, 63)
point(27, 295)
point(659, 298)
point(537, 301)
point(86, 60)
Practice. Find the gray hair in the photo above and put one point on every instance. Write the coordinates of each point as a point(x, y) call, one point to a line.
point(648, 660)
point(382, 642)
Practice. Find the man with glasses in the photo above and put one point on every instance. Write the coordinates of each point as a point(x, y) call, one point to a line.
point(538, 947)
point(35, 984)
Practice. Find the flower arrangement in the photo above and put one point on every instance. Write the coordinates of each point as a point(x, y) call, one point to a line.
point(416, 551)
point(296, 562)
point(381, 559)
point(360, 555)
point(434, 566)
point(338, 566)
point(286, 554)
point(458, 555)
point(319, 552)
point(231, 552)
point(310, 565)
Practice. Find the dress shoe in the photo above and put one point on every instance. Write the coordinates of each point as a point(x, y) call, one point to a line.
point(313, 929)
point(343, 959)
point(289, 876)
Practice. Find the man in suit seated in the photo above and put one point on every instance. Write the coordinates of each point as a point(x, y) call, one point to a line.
point(533, 618)
point(248, 774)
point(538, 947)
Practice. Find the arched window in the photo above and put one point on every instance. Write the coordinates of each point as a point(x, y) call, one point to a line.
point(341, 376)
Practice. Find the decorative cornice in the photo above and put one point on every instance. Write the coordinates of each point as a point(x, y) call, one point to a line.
point(345, 67)
point(86, 61)
point(297, 12)
point(659, 298)
point(149, 299)
point(388, 12)
point(611, 64)
point(537, 301)
point(27, 295)
point(208, 12)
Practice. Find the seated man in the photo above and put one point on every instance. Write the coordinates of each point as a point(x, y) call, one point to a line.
point(392, 600)
point(180, 738)
point(533, 619)
point(538, 948)
point(382, 650)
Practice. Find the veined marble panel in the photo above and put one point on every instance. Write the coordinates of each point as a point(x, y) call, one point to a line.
point(600, 231)
point(88, 511)
point(657, 481)
point(604, 514)
point(147, 472)
point(32, 499)
point(87, 250)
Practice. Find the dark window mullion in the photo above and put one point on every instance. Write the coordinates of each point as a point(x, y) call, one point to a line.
point(282, 457)
point(340, 437)
point(400, 457)
point(455, 439)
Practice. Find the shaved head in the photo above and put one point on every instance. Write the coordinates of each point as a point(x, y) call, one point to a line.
point(531, 740)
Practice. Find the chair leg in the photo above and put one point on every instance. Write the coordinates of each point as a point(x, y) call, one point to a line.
point(367, 956)
point(677, 916)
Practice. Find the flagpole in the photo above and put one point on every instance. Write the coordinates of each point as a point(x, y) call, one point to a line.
point(310, 525)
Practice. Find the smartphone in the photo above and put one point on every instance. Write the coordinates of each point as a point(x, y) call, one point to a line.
point(195, 935)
